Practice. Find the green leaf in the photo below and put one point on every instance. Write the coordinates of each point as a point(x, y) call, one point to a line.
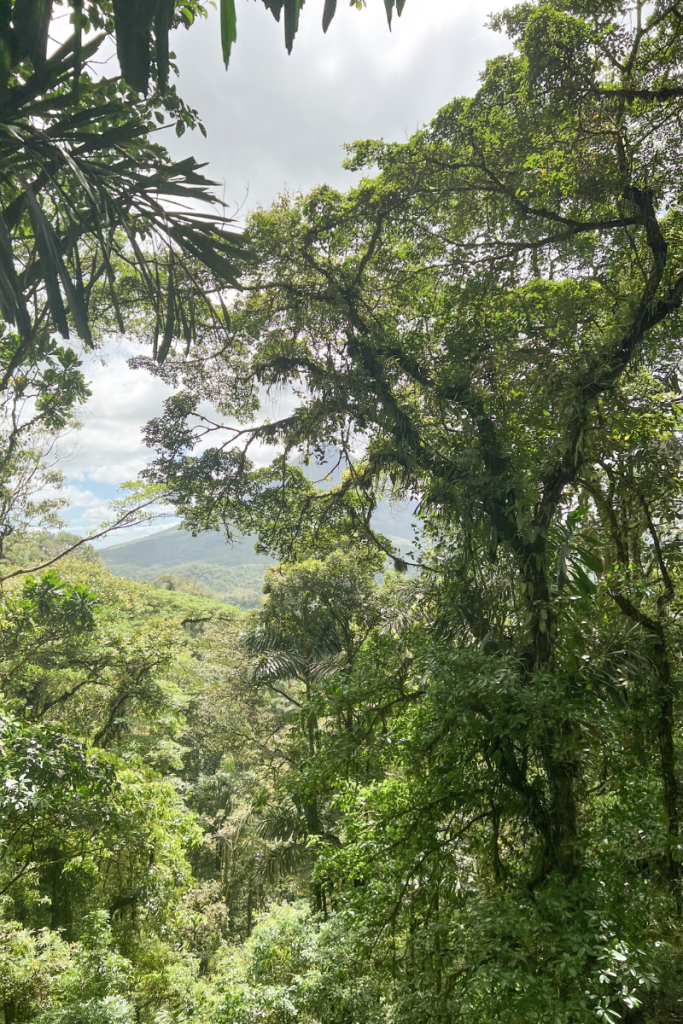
point(133, 23)
point(329, 13)
point(162, 24)
point(228, 28)
point(292, 9)
point(585, 586)
point(31, 23)
point(48, 247)
point(590, 561)
point(12, 304)
point(49, 264)
point(170, 317)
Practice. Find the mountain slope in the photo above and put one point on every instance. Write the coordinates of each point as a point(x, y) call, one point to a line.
point(233, 571)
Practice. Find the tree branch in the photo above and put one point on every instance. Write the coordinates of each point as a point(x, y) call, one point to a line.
point(127, 519)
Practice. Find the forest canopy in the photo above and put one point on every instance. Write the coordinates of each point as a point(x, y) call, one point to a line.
point(452, 793)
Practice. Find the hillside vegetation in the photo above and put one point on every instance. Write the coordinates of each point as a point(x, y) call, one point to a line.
point(232, 572)
point(155, 862)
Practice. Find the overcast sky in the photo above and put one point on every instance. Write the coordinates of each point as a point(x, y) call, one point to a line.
point(276, 121)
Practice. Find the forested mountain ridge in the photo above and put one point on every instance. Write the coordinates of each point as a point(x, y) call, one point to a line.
point(233, 571)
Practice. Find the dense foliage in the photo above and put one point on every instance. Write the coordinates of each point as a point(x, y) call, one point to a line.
point(387, 796)
point(490, 324)
point(95, 215)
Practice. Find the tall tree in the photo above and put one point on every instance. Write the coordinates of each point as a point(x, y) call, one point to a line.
point(494, 320)
point(474, 308)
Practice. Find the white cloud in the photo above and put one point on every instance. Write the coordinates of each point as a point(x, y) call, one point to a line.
point(86, 510)
point(274, 119)
point(109, 447)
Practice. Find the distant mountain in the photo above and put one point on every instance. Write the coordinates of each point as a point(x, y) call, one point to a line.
point(233, 571)
point(174, 547)
point(396, 523)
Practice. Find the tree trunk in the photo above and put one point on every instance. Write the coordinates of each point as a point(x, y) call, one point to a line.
point(667, 759)
point(564, 852)
point(561, 848)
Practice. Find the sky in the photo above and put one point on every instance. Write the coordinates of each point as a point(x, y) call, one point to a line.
point(277, 121)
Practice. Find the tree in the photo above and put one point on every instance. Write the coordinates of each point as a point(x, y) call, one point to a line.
point(97, 833)
point(39, 546)
point(494, 238)
point(73, 675)
point(495, 316)
point(317, 617)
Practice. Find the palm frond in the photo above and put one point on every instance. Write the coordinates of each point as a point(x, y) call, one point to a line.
point(88, 201)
